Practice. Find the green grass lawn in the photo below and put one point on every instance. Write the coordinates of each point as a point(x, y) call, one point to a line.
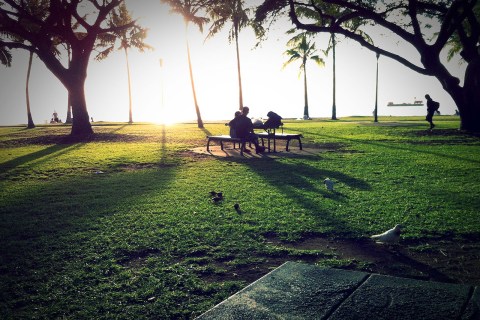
point(142, 239)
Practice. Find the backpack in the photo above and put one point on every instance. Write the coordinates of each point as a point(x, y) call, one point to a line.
point(436, 105)
point(274, 121)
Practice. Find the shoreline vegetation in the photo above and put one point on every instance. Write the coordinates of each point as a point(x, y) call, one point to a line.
point(314, 119)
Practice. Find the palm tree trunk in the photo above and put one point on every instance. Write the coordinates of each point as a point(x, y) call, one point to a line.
point(240, 93)
point(375, 112)
point(197, 109)
point(305, 110)
point(130, 119)
point(30, 124)
point(334, 107)
point(69, 100)
point(69, 110)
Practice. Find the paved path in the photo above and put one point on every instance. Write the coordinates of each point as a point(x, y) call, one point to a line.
point(303, 291)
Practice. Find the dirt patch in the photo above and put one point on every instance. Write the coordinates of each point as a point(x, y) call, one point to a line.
point(216, 151)
point(441, 260)
point(444, 260)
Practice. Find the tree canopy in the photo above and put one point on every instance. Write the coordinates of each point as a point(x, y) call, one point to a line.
point(46, 27)
point(431, 27)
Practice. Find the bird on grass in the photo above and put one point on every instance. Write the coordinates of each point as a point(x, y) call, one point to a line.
point(237, 208)
point(389, 236)
point(218, 196)
point(216, 199)
point(328, 183)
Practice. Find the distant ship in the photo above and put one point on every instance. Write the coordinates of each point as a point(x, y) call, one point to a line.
point(416, 103)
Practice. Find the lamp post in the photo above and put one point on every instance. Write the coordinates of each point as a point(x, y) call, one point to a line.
point(375, 112)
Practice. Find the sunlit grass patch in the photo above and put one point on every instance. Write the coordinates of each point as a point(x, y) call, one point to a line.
point(127, 215)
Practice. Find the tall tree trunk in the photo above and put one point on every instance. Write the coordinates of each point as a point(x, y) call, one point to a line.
point(469, 106)
point(30, 124)
point(197, 109)
point(334, 106)
point(69, 110)
point(81, 122)
point(69, 101)
point(130, 118)
point(240, 92)
point(306, 116)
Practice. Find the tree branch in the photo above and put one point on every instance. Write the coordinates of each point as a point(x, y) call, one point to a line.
point(355, 37)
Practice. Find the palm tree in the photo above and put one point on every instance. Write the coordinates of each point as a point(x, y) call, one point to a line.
point(222, 13)
point(128, 38)
point(30, 124)
point(5, 56)
point(334, 106)
point(302, 49)
point(190, 9)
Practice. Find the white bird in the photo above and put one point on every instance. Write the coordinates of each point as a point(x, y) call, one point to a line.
point(389, 236)
point(328, 183)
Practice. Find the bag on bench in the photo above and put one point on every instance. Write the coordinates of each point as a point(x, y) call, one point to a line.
point(274, 121)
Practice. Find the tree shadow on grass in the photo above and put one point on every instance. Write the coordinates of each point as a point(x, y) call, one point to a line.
point(297, 180)
point(44, 154)
point(396, 145)
point(67, 229)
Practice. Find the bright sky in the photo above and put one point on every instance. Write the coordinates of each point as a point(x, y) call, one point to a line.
point(163, 94)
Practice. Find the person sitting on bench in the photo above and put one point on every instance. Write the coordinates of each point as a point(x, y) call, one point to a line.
point(232, 124)
point(243, 128)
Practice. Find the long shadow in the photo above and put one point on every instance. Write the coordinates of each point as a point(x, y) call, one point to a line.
point(39, 228)
point(302, 176)
point(391, 257)
point(389, 146)
point(64, 145)
point(296, 180)
point(46, 154)
point(206, 131)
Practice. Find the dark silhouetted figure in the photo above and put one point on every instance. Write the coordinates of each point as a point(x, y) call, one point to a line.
point(243, 127)
point(432, 106)
point(233, 123)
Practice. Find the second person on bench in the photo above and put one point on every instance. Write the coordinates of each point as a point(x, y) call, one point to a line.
point(242, 127)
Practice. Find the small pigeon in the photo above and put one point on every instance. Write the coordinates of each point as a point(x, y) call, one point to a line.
point(389, 236)
point(328, 183)
point(237, 208)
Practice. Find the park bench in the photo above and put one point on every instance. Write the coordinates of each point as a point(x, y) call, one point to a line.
point(226, 138)
point(280, 136)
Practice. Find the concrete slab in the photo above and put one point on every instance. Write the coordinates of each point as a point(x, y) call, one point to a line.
point(302, 291)
point(292, 291)
point(472, 311)
point(384, 297)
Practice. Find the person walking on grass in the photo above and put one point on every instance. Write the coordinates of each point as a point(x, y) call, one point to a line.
point(432, 106)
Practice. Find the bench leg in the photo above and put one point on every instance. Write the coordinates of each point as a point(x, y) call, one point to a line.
point(300, 143)
point(208, 145)
point(288, 142)
point(242, 146)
